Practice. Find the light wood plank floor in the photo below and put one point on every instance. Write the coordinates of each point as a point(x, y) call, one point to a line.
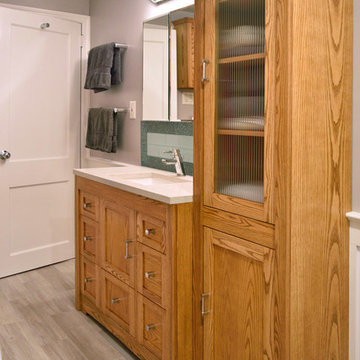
point(38, 320)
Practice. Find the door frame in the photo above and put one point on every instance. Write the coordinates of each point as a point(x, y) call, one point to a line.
point(84, 21)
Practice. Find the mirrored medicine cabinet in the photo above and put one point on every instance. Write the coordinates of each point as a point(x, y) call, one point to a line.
point(168, 66)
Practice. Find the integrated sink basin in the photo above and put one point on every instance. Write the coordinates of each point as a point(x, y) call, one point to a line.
point(149, 179)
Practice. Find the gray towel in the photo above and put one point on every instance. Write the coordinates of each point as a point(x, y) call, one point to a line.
point(104, 67)
point(102, 130)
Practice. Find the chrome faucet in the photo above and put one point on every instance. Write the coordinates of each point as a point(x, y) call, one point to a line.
point(179, 166)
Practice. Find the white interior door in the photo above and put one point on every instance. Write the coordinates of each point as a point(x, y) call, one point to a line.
point(40, 128)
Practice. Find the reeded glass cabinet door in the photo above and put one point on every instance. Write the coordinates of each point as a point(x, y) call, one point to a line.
point(239, 113)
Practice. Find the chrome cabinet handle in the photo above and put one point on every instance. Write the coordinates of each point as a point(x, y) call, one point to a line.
point(204, 62)
point(127, 242)
point(87, 238)
point(4, 155)
point(86, 205)
point(149, 327)
point(149, 232)
point(203, 312)
point(150, 274)
point(117, 300)
point(86, 280)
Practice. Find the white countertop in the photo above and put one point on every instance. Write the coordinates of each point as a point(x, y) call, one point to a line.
point(155, 184)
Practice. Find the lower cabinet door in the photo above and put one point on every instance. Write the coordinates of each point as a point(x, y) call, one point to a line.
point(118, 302)
point(119, 236)
point(88, 279)
point(153, 327)
point(237, 303)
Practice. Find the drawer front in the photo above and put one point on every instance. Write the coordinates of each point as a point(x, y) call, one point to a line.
point(153, 328)
point(118, 302)
point(89, 205)
point(88, 279)
point(89, 236)
point(153, 275)
point(151, 232)
point(119, 236)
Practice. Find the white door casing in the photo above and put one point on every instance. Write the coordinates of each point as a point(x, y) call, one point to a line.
point(40, 127)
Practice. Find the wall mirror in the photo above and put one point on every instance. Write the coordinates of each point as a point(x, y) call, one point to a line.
point(168, 66)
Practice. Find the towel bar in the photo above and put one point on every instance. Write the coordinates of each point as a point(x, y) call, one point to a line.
point(118, 45)
point(116, 110)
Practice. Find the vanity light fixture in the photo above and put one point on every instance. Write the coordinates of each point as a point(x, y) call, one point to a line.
point(157, 1)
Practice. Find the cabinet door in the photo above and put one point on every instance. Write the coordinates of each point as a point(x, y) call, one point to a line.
point(237, 303)
point(119, 235)
point(239, 109)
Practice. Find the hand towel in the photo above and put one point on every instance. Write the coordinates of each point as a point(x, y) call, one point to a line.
point(104, 67)
point(102, 130)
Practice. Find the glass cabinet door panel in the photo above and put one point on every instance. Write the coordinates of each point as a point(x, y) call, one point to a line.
point(240, 99)
point(239, 77)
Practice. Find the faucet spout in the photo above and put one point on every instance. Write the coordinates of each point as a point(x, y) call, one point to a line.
point(179, 166)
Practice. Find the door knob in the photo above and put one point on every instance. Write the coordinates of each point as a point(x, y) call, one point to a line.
point(4, 155)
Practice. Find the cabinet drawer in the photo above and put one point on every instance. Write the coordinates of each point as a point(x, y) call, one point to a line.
point(153, 275)
point(151, 232)
point(153, 328)
point(88, 279)
point(118, 302)
point(89, 205)
point(89, 236)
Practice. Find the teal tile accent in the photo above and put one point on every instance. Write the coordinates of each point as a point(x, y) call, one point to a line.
point(158, 137)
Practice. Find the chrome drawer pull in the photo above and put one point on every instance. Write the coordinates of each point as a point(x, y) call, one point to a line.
point(86, 205)
point(127, 242)
point(150, 274)
point(87, 238)
point(117, 300)
point(204, 62)
point(149, 232)
point(149, 327)
point(203, 312)
point(86, 280)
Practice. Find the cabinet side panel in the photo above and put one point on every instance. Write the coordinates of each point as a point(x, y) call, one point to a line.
point(321, 178)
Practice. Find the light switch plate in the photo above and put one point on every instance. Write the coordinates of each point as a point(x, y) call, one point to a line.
point(132, 109)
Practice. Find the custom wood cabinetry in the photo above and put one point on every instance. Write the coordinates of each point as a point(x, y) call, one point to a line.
point(272, 170)
point(133, 269)
point(185, 52)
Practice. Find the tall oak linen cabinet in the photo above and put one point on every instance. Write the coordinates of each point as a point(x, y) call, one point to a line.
point(272, 160)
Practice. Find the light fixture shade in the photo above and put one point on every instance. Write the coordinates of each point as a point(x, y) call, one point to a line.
point(157, 1)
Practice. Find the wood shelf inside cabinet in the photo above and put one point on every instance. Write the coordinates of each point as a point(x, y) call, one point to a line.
point(241, 58)
point(241, 132)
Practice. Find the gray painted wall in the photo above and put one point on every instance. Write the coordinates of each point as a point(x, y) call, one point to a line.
point(356, 111)
point(122, 21)
point(72, 6)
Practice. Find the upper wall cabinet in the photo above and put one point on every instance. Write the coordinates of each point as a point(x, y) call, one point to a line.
point(238, 71)
point(185, 52)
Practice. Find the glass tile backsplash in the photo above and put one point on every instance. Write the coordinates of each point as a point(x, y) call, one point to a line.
point(158, 137)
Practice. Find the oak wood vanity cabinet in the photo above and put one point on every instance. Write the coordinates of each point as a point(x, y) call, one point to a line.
point(272, 171)
point(133, 268)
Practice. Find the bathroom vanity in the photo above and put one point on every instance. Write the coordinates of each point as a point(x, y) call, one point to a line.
point(134, 257)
